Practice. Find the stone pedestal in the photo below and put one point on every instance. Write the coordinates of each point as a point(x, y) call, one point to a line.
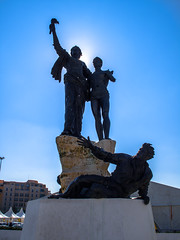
point(90, 219)
point(77, 160)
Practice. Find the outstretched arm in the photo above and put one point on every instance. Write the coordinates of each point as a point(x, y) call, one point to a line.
point(103, 155)
point(110, 75)
point(143, 189)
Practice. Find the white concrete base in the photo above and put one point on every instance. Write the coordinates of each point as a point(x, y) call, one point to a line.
point(10, 234)
point(88, 219)
point(168, 236)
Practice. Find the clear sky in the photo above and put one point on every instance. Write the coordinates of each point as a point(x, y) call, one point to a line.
point(139, 40)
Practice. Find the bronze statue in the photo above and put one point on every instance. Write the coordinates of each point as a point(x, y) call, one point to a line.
point(99, 96)
point(132, 174)
point(75, 80)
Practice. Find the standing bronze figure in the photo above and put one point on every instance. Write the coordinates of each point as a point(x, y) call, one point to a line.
point(99, 96)
point(75, 80)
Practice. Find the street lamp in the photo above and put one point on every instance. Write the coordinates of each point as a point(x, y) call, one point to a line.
point(1, 158)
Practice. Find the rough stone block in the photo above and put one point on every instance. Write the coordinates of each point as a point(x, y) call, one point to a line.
point(77, 160)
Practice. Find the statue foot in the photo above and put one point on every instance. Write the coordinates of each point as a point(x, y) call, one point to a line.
point(145, 199)
point(67, 133)
point(56, 195)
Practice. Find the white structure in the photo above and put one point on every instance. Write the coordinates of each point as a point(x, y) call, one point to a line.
point(165, 202)
point(11, 215)
point(3, 218)
point(90, 219)
point(21, 215)
point(166, 206)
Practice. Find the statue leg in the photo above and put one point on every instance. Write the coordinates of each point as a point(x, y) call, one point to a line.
point(79, 110)
point(95, 106)
point(98, 191)
point(69, 109)
point(83, 181)
point(105, 114)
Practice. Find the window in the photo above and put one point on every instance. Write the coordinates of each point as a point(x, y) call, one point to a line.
point(21, 199)
point(42, 190)
point(26, 194)
point(21, 194)
point(32, 190)
point(16, 194)
point(16, 199)
point(6, 189)
point(42, 195)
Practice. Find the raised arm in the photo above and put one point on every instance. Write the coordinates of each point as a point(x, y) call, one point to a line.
point(56, 43)
point(103, 155)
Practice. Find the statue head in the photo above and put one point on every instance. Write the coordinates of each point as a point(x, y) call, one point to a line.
point(97, 62)
point(76, 52)
point(146, 152)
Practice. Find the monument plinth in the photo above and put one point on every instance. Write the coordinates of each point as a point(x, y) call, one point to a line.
point(77, 160)
point(91, 219)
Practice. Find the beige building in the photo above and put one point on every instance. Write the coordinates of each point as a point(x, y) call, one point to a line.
point(17, 194)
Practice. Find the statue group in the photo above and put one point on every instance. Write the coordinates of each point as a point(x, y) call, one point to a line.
point(132, 173)
point(80, 86)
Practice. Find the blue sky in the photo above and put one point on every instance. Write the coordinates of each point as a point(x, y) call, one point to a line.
point(139, 40)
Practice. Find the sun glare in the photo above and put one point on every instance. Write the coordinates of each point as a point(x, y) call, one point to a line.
point(87, 48)
point(86, 58)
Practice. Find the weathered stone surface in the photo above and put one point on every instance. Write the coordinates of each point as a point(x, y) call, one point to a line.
point(77, 160)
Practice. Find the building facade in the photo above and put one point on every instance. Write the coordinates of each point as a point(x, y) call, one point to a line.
point(17, 194)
